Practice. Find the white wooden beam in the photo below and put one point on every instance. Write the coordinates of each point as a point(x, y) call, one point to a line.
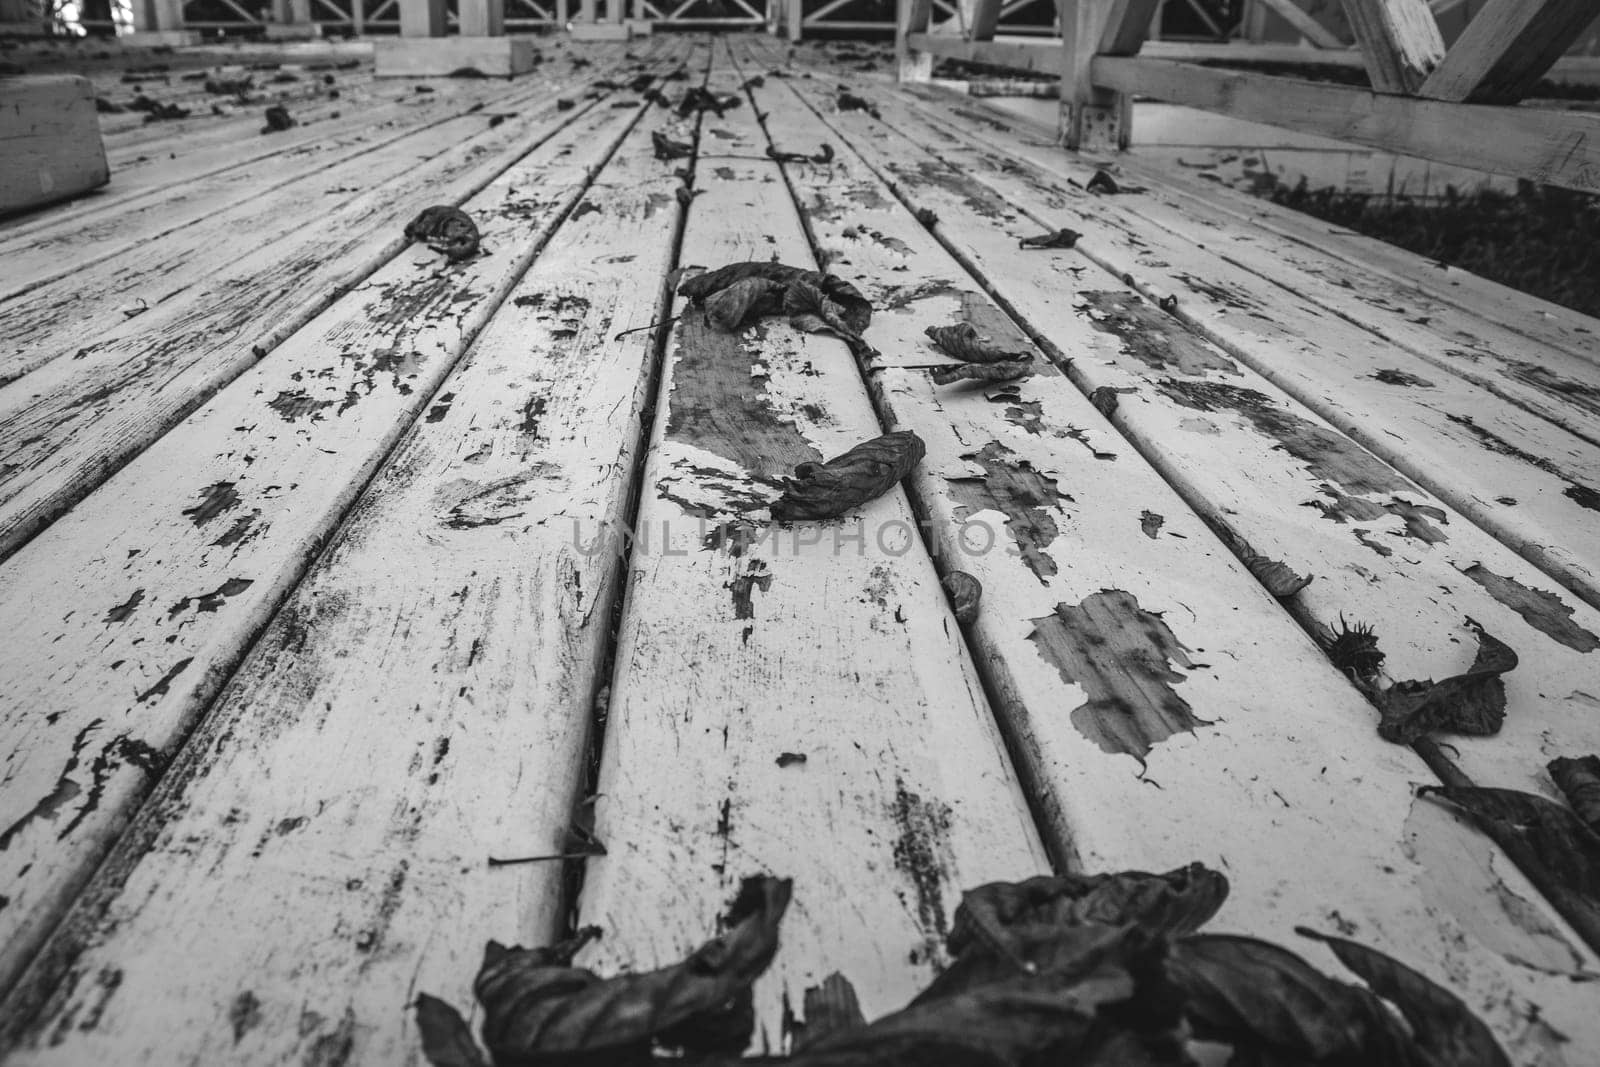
point(1400, 40)
point(1303, 23)
point(1092, 119)
point(1556, 147)
point(483, 18)
point(422, 18)
point(1507, 47)
point(913, 63)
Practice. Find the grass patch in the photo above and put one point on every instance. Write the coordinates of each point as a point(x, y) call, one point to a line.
point(1541, 240)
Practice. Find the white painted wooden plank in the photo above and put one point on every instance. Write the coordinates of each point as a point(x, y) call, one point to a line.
point(1527, 482)
point(1279, 749)
point(52, 137)
point(86, 416)
point(731, 654)
point(420, 703)
point(33, 262)
point(158, 581)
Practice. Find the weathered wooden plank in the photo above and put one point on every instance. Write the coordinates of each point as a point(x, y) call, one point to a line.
point(84, 417)
point(1248, 773)
point(743, 640)
point(52, 140)
point(159, 580)
point(1558, 147)
point(441, 656)
point(1506, 48)
point(184, 225)
point(1399, 40)
point(1526, 482)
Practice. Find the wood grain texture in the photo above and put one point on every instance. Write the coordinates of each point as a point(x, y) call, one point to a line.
point(1506, 48)
point(1262, 769)
point(1399, 40)
point(1527, 483)
point(735, 649)
point(1558, 147)
point(50, 146)
point(420, 703)
point(87, 416)
point(160, 580)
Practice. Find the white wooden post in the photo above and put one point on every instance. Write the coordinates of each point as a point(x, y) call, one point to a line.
point(796, 12)
point(911, 16)
point(1094, 119)
point(154, 16)
point(586, 12)
point(481, 18)
point(563, 12)
point(422, 18)
point(1400, 42)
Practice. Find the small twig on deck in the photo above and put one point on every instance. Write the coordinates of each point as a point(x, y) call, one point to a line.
point(495, 861)
point(652, 326)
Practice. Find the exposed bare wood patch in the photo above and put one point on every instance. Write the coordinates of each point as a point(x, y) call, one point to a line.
point(1122, 657)
point(1543, 611)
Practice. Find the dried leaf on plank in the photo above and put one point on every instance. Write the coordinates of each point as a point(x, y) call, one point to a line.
point(822, 157)
point(1471, 703)
point(538, 1008)
point(1057, 239)
point(866, 472)
point(1007, 371)
point(830, 305)
point(1579, 781)
point(703, 285)
point(1443, 1029)
point(965, 592)
point(745, 299)
point(1550, 835)
point(666, 148)
point(963, 342)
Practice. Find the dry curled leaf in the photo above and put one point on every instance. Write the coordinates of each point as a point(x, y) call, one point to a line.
point(666, 148)
point(822, 157)
point(1548, 833)
point(1471, 703)
point(831, 1010)
point(1009, 370)
point(1104, 400)
point(964, 592)
point(703, 285)
point(278, 120)
point(1175, 903)
point(1579, 781)
point(445, 228)
point(1254, 994)
point(963, 342)
point(866, 472)
point(538, 1008)
point(1057, 239)
point(849, 101)
point(829, 305)
point(446, 1039)
point(747, 298)
point(1443, 1030)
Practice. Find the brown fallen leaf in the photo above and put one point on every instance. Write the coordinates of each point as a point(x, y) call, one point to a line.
point(538, 1008)
point(445, 228)
point(822, 157)
point(831, 1009)
point(829, 305)
point(1471, 703)
point(666, 148)
point(1579, 781)
point(1005, 371)
point(1104, 400)
point(1443, 1029)
point(1056, 239)
point(1564, 852)
point(702, 286)
point(278, 120)
point(866, 472)
point(849, 101)
point(963, 342)
point(965, 592)
point(745, 299)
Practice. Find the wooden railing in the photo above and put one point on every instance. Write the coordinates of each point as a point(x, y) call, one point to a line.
point(1456, 105)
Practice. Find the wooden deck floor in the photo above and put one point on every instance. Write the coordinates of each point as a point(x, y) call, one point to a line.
point(318, 592)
